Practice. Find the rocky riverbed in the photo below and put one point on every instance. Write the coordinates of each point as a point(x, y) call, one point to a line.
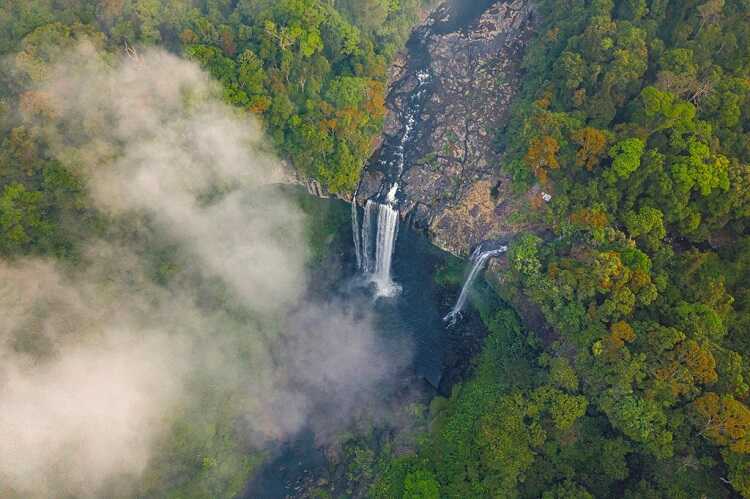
point(451, 93)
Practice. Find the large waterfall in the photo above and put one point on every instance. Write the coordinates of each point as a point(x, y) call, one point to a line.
point(387, 232)
point(355, 232)
point(376, 260)
point(480, 259)
point(374, 246)
point(366, 249)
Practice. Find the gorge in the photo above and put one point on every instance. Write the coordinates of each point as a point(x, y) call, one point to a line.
point(437, 166)
point(436, 172)
point(393, 249)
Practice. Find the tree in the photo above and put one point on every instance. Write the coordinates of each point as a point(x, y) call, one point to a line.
point(626, 156)
point(739, 471)
point(421, 485)
point(647, 224)
point(641, 420)
point(593, 144)
point(563, 375)
point(698, 168)
point(542, 156)
point(21, 221)
point(685, 368)
point(724, 420)
point(251, 75)
point(524, 255)
point(709, 12)
point(506, 441)
point(621, 333)
point(370, 14)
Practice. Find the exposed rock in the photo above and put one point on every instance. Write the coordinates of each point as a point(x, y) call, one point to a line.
point(450, 183)
point(284, 173)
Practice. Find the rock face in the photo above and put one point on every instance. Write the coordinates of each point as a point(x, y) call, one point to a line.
point(448, 98)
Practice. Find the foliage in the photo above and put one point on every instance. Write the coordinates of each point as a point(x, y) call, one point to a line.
point(634, 114)
point(315, 73)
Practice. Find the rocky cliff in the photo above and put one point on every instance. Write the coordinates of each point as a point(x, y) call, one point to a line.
point(448, 98)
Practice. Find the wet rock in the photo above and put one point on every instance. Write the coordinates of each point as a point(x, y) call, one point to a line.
point(451, 178)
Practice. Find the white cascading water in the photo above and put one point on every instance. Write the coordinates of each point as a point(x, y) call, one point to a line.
point(386, 240)
point(410, 121)
point(366, 235)
point(391, 197)
point(480, 259)
point(387, 228)
point(355, 232)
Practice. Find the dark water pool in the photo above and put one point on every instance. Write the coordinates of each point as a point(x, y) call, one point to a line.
point(415, 315)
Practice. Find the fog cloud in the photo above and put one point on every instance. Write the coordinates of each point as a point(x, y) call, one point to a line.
point(95, 358)
point(152, 135)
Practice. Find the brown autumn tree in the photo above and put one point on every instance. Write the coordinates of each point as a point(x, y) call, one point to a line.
point(724, 420)
point(593, 147)
point(542, 156)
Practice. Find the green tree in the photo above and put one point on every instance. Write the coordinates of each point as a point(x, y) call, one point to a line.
point(22, 222)
point(626, 156)
point(421, 485)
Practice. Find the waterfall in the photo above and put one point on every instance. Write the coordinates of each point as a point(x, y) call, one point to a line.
point(480, 259)
point(366, 248)
point(376, 258)
point(355, 231)
point(386, 240)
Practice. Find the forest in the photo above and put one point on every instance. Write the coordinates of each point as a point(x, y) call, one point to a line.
point(634, 115)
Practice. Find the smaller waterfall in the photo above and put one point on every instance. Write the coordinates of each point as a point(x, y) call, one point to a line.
point(356, 232)
point(386, 240)
point(480, 259)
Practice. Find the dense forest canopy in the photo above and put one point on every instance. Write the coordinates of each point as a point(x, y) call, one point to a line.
point(634, 116)
point(315, 71)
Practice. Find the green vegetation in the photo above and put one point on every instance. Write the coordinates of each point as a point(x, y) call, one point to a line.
point(313, 72)
point(634, 115)
point(324, 224)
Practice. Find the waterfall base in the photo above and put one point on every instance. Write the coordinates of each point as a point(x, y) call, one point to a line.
point(385, 288)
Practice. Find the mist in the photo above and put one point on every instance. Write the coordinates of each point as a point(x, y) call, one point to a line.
point(97, 357)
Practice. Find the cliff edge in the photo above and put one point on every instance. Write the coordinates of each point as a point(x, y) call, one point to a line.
point(446, 101)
